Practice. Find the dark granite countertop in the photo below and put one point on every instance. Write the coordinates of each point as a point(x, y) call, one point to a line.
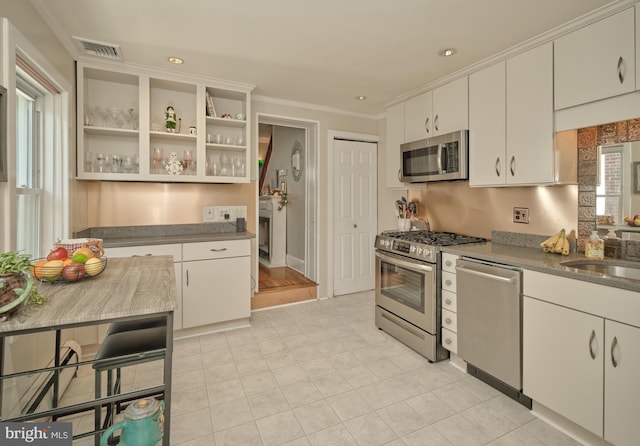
point(523, 254)
point(119, 236)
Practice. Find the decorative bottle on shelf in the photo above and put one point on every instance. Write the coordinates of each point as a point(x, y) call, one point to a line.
point(594, 246)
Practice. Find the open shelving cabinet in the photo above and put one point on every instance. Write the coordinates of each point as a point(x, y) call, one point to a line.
point(121, 126)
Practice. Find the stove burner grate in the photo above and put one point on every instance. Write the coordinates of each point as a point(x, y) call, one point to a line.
point(433, 238)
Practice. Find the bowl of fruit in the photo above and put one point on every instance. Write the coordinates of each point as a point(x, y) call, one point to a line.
point(632, 221)
point(60, 265)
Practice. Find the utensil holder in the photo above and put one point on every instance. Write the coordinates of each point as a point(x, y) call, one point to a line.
point(404, 224)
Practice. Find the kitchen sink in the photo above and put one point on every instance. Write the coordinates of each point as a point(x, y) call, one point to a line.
point(606, 268)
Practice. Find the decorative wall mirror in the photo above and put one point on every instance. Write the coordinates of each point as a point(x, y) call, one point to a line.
point(297, 161)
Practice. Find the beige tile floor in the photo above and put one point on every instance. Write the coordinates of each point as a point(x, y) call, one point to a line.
point(321, 373)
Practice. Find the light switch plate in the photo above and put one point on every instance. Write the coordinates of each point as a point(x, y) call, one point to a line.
point(521, 215)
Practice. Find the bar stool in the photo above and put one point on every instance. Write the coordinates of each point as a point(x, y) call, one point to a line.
point(147, 343)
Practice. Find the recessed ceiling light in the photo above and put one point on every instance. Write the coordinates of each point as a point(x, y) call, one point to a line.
point(175, 60)
point(448, 52)
point(361, 98)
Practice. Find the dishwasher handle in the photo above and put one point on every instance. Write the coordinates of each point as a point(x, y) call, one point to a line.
point(486, 275)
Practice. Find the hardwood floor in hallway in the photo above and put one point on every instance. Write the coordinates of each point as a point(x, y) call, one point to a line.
point(282, 285)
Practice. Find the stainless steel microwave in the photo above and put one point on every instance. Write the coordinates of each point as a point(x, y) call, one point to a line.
point(439, 158)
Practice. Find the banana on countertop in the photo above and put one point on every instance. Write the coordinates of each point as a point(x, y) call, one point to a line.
point(557, 243)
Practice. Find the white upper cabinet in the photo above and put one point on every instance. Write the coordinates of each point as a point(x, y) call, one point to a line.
point(123, 133)
point(443, 110)
point(487, 126)
point(395, 137)
point(511, 121)
point(418, 122)
point(530, 131)
point(596, 62)
point(451, 107)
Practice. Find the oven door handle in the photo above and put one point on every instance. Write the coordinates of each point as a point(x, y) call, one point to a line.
point(403, 263)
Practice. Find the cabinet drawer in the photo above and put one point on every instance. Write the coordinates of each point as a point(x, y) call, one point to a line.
point(450, 340)
point(216, 250)
point(449, 301)
point(448, 281)
point(450, 320)
point(174, 249)
point(449, 262)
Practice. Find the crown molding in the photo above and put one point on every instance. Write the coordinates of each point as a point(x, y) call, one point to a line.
point(314, 107)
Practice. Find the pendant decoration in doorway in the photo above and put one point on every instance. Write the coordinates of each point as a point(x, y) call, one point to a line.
point(297, 161)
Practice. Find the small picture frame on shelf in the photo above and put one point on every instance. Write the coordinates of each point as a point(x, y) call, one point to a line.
point(211, 110)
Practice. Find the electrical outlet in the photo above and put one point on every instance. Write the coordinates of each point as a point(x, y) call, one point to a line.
point(208, 213)
point(227, 213)
point(521, 215)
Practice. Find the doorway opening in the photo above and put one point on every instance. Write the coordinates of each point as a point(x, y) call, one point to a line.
point(287, 252)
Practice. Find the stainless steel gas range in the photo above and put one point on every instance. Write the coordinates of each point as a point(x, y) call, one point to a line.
point(408, 287)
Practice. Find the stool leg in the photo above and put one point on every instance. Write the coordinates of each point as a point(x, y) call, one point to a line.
point(118, 388)
point(98, 409)
point(109, 417)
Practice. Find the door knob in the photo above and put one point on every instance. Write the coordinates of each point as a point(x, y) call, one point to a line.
point(355, 226)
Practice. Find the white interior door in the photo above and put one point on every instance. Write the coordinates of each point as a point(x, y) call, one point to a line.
point(354, 215)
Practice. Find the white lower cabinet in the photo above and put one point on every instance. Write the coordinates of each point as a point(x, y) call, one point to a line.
point(216, 282)
point(622, 391)
point(559, 370)
point(581, 355)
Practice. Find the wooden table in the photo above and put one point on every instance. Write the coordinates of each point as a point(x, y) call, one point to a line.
point(134, 288)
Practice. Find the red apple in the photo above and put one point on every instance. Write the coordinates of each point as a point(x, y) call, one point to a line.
point(73, 272)
point(58, 254)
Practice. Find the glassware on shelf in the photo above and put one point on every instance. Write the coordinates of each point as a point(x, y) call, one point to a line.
point(129, 164)
point(240, 140)
point(88, 119)
point(101, 163)
point(157, 158)
point(114, 113)
point(116, 163)
point(187, 160)
point(103, 113)
point(225, 166)
point(131, 116)
point(89, 162)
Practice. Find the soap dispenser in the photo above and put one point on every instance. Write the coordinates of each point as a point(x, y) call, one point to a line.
point(594, 246)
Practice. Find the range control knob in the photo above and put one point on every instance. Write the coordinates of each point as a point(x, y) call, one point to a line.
point(419, 251)
point(412, 249)
point(427, 252)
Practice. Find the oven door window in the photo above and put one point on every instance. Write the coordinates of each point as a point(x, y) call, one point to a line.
point(402, 285)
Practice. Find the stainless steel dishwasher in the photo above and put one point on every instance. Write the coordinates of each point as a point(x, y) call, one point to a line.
point(489, 299)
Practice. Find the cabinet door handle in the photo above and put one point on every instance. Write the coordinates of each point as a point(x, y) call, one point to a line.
point(435, 123)
point(447, 321)
point(448, 263)
point(447, 301)
point(498, 166)
point(218, 249)
point(187, 274)
point(447, 341)
point(591, 339)
point(399, 175)
point(512, 165)
point(613, 346)
point(620, 69)
point(448, 282)
point(426, 125)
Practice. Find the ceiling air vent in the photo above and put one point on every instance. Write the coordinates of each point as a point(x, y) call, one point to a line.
point(100, 49)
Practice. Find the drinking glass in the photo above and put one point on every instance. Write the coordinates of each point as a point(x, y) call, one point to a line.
point(128, 163)
point(101, 163)
point(88, 162)
point(103, 113)
point(114, 112)
point(116, 163)
point(157, 158)
point(187, 159)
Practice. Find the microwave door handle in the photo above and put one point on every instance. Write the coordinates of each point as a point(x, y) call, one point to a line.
point(440, 146)
point(442, 158)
